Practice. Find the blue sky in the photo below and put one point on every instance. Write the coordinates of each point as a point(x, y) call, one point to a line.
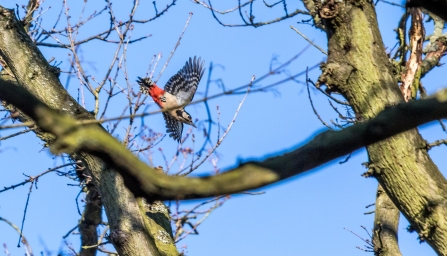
point(305, 215)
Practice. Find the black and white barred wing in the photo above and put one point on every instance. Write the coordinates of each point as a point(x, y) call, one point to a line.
point(173, 127)
point(184, 84)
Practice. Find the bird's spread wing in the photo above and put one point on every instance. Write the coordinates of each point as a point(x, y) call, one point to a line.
point(173, 127)
point(184, 84)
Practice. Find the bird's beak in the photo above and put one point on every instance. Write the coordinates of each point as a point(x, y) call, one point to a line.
point(193, 125)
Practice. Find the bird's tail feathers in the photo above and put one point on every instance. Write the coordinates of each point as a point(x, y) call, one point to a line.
point(147, 82)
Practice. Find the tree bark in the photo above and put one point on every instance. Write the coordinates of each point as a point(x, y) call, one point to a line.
point(82, 136)
point(91, 218)
point(129, 234)
point(358, 67)
point(386, 222)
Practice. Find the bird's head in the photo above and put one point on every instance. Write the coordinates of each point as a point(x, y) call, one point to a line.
point(185, 117)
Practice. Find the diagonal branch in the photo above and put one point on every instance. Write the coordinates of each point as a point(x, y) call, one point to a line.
point(145, 181)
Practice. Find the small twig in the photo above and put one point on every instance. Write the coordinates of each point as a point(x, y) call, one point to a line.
point(69, 232)
point(240, 13)
point(76, 200)
point(103, 234)
point(234, 91)
point(346, 160)
point(101, 249)
point(155, 7)
point(208, 112)
point(192, 214)
point(225, 133)
point(271, 5)
point(284, 4)
point(312, 105)
point(24, 240)
point(328, 95)
point(35, 178)
point(222, 12)
point(94, 245)
point(218, 122)
point(28, 123)
point(71, 248)
point(24, 212)
point(436, 143)
point(442, 125)
point(307, 39)
point(364, 240)
point(16, 134)
point(258, 24)
point(344, 118)
point(175, 48)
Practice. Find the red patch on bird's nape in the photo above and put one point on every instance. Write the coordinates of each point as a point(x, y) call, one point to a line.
point(156, 92)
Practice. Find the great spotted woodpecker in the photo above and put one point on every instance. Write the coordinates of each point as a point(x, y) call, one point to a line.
point(178, 92)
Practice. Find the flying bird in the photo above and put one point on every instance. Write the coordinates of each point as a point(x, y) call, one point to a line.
point(178, 92)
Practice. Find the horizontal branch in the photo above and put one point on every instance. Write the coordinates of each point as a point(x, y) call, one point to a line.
point(256, 24)
point(145, 181)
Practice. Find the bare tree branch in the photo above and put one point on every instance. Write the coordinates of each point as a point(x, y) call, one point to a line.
point(145, 181)
point(386, 222)
point(251, 18)
point(436, 48)
point(32, 71)
point(91, 218)
point(24, 240)
point(411, 76)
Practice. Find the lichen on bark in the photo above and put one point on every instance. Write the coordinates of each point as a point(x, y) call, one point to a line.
point(360, 70)
point(31, 71)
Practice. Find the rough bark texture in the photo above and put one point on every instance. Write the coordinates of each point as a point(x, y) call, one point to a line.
point(32, 71)
point(359, 68)
point(78, 136)
point(386, 222)
point(91, 218)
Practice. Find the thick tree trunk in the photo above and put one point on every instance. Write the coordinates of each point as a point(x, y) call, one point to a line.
point(130, 232)
point(359, 68)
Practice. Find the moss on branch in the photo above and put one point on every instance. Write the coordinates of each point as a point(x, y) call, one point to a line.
point(144, 181)
point(30, 70)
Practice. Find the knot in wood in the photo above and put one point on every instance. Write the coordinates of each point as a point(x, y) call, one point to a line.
point(118, 237)
point(329, 9)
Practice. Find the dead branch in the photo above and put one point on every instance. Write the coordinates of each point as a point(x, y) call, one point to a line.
point(411, 77)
